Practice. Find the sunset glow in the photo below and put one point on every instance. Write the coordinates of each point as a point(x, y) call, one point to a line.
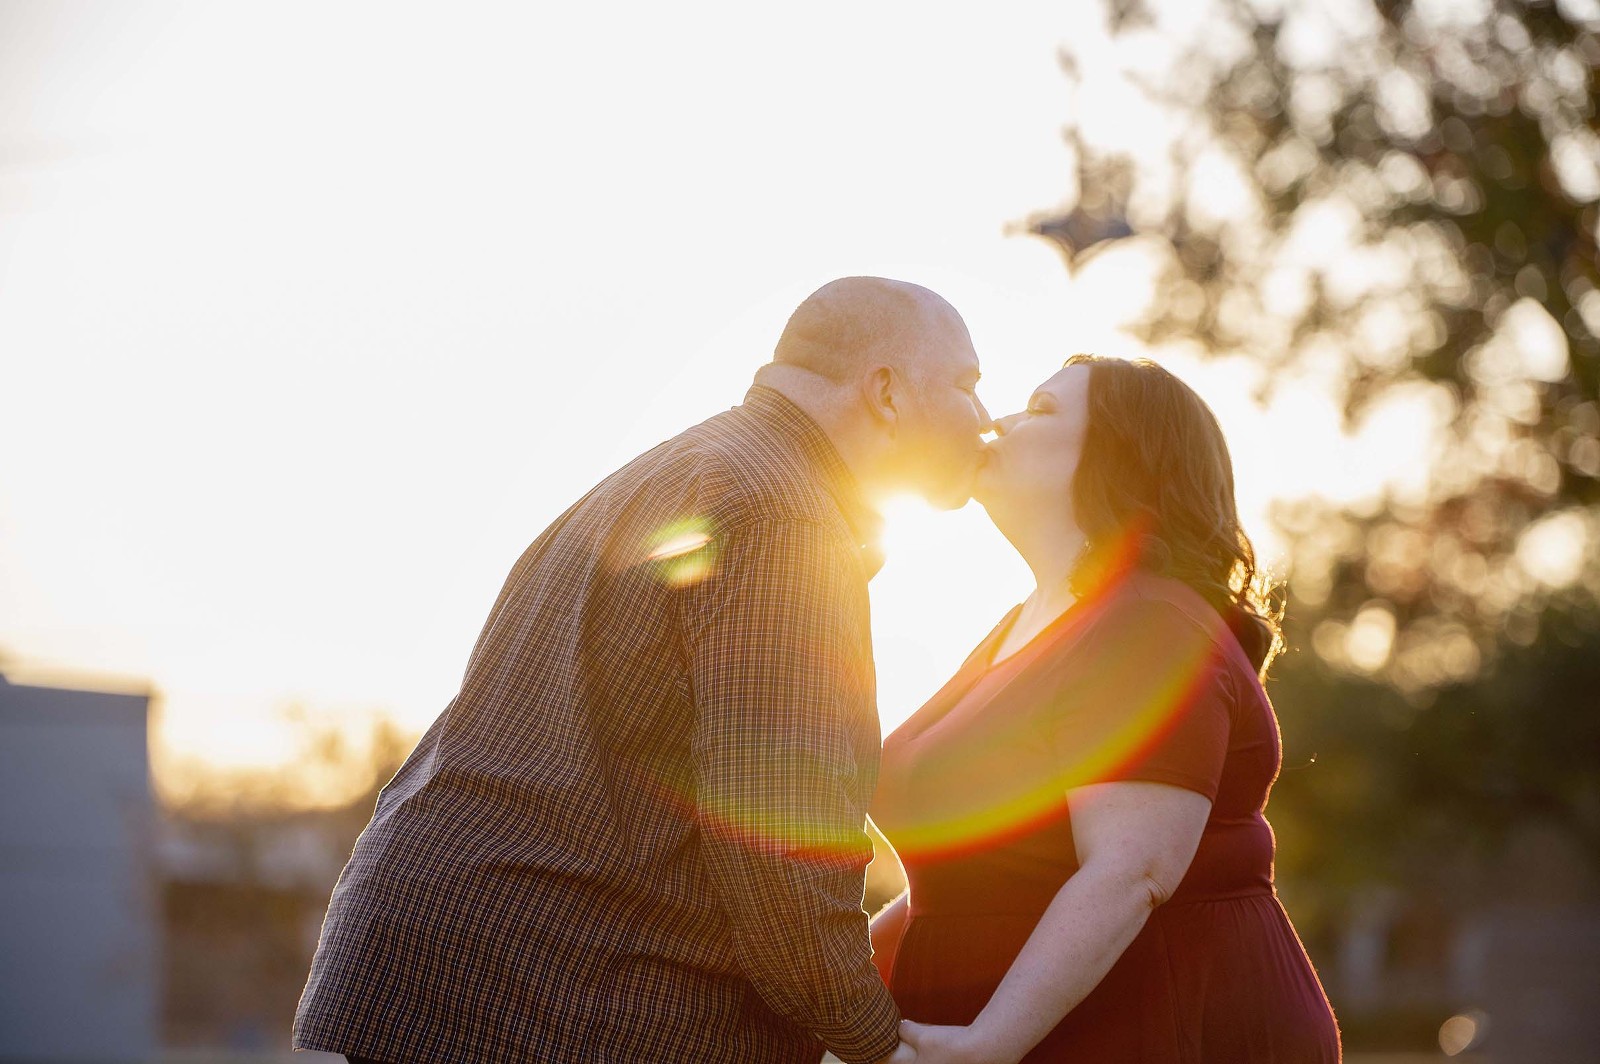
point(302, 362)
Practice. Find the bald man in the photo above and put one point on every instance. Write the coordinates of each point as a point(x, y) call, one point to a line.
point(636, 833)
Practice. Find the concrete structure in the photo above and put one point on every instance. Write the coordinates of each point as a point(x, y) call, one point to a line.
point(79, 928)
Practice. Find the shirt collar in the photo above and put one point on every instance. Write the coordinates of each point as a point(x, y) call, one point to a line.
point(781, 414)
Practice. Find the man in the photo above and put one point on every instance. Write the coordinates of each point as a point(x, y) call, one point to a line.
point(636, 834)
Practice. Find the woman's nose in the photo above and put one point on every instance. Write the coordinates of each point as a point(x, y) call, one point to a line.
point(1003, 425)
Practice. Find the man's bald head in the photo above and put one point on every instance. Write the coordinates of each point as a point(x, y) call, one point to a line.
point(887, 370)
point(848, 325)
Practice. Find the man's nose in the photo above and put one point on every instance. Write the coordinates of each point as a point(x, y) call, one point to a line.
point(985, 422)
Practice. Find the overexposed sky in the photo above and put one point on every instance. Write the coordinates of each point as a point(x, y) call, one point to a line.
point(312, 316)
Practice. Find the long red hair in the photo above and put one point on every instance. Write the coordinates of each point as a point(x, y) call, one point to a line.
point(1155, 485)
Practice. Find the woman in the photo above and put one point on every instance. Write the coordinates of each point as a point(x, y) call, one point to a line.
point(1079, 810)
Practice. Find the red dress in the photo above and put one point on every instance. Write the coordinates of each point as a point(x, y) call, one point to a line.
point(1143, 683)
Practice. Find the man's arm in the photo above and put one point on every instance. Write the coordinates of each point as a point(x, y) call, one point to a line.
point(776, 638)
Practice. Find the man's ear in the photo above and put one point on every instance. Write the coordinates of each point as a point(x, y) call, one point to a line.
point(880, 391)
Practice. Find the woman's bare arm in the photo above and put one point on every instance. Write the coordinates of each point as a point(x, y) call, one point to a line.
point(1134, 842)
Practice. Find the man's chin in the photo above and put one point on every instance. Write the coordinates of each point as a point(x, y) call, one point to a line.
point(952, 496)
point(951, 502)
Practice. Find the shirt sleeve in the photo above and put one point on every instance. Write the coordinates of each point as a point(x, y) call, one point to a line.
point(785, 756)
point(1145, 696)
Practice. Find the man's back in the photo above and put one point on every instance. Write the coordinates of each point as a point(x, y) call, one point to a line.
point(635, 834)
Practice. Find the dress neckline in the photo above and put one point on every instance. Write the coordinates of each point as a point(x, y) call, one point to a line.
point(1009, 622)
point(980, 665)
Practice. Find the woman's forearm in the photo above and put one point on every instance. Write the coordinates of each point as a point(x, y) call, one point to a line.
point(1088, 924)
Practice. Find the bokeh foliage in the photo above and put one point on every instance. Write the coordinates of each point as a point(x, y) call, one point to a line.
point(1413, 209)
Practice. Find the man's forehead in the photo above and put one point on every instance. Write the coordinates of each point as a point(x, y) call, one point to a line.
point(951, 348)
point(951, 357)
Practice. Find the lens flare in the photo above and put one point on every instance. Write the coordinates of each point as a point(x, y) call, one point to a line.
point(1153, 684)
point(1020, 804)
point(1156, 684)
point(1463, 1032)
point(737, 816)
point(679, 546)
point(683, 553)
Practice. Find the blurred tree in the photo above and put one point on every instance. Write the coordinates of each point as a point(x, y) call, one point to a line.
point(337, 761)
point(1399, 199)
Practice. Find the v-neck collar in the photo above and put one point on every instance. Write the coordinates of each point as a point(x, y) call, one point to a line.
point(1070, 626)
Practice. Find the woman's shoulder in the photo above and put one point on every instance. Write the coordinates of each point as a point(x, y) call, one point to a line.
point(1164, 617)
point(1140, 600)
point(1144, 616)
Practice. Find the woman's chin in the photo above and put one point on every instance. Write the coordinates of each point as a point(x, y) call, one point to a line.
point(990, 494)
point(1008, 507)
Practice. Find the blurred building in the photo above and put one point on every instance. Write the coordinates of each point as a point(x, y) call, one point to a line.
point(80, 935)
point(242, 900)
point(1509, 958)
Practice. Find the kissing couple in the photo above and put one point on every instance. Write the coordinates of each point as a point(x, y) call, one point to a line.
point(637, 833)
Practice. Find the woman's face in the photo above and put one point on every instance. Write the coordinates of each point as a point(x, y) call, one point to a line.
point(1028, 468)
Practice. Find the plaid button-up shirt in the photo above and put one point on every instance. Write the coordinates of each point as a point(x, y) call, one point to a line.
point(636, 834)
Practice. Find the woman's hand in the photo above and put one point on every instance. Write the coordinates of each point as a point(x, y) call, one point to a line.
point(943, 1045)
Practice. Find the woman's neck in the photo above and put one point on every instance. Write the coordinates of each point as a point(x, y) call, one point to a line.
point(1052, 546)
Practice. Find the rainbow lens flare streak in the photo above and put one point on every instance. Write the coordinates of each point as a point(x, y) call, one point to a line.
point(1161, 692)
point(1156, 693)
point(1043, 800)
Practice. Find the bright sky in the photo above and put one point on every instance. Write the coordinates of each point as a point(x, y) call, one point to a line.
point(311, 317)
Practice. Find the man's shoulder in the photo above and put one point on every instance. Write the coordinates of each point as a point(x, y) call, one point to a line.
point(739, 469)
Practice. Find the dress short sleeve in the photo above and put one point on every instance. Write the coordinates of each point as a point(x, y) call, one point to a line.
point(1145, 694)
